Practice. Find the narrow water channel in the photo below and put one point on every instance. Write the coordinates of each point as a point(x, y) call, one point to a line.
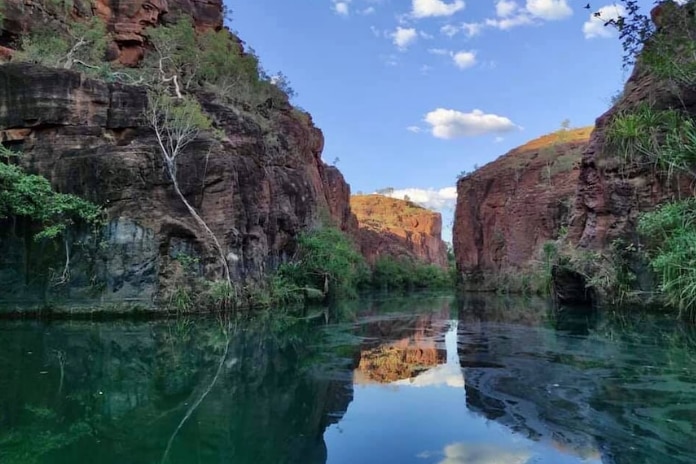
point(423, 380)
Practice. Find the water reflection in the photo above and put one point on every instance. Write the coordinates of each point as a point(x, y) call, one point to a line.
point(423, 380)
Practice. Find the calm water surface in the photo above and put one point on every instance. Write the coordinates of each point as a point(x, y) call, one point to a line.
point(422, 380)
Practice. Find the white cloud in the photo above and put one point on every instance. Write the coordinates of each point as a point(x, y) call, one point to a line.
point(549, 10)
point(464, 59)
point(376, 32)
point(368, 11)
point(341, 8)
point(430, 8)
point(594, 27)
point(438, 51)
point(472, 29)
point(425, 35)
point(440, 199)
point(505, 8)
point(521, 19)
point(498, 139)
point(414, 129)
point(403, 37)
point(449, 30)
point(450, 124)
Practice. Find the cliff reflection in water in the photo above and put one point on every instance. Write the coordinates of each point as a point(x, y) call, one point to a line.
point(616, 388)
point(414, 380)
point(116, 392)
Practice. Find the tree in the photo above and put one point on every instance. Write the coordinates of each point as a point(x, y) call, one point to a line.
point(177, 122)
point(281, 81)
point(75, 43)
point(177, 55)
point(31, 196)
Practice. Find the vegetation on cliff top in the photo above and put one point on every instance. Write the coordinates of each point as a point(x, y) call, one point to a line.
point(551, 149)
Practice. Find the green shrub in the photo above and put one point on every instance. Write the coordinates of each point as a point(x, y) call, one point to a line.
point(31, 196)
point(391, 273)
point(327, 261)
point(74, 44)
point(670, 232)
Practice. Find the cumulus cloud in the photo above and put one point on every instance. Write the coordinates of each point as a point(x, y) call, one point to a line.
point(341, 8)
point(464, 59)
point(450, 124)
point(430, 8)
point(414, 129)
point(505, 8)
point(549, 10)
point(436, 199)
point(404, 36)
point(595, 28)
point(368, 11)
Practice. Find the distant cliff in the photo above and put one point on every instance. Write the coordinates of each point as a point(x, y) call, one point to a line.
point(398, 228)
point(508, 208)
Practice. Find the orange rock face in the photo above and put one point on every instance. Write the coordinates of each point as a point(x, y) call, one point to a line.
point(126, 21)
point(507, 209)
point(398, 228)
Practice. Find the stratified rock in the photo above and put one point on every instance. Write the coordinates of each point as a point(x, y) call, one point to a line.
point(509, 208)
point(398, 228)
point(257, 188)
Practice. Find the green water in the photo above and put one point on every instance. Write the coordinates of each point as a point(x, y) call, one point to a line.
point(413, 380)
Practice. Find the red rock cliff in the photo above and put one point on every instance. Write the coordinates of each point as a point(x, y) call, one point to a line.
point(126, 21)
point(257, 187)
point(398, 228)
point(611, 194)
point(508, 208)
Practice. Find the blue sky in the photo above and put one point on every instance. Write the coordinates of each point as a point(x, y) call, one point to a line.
point(409, 93)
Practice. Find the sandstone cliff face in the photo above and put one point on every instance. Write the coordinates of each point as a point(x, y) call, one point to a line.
point(125, 21)
point(611, 194)
point(257, 188)
point(398, 228)
point(508, 208)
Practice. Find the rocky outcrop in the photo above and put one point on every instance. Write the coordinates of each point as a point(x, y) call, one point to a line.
point(398, 228)
point(613, 190)
point(612, 193)
point(257, 187)
point(508, 208)
point(126, 21)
